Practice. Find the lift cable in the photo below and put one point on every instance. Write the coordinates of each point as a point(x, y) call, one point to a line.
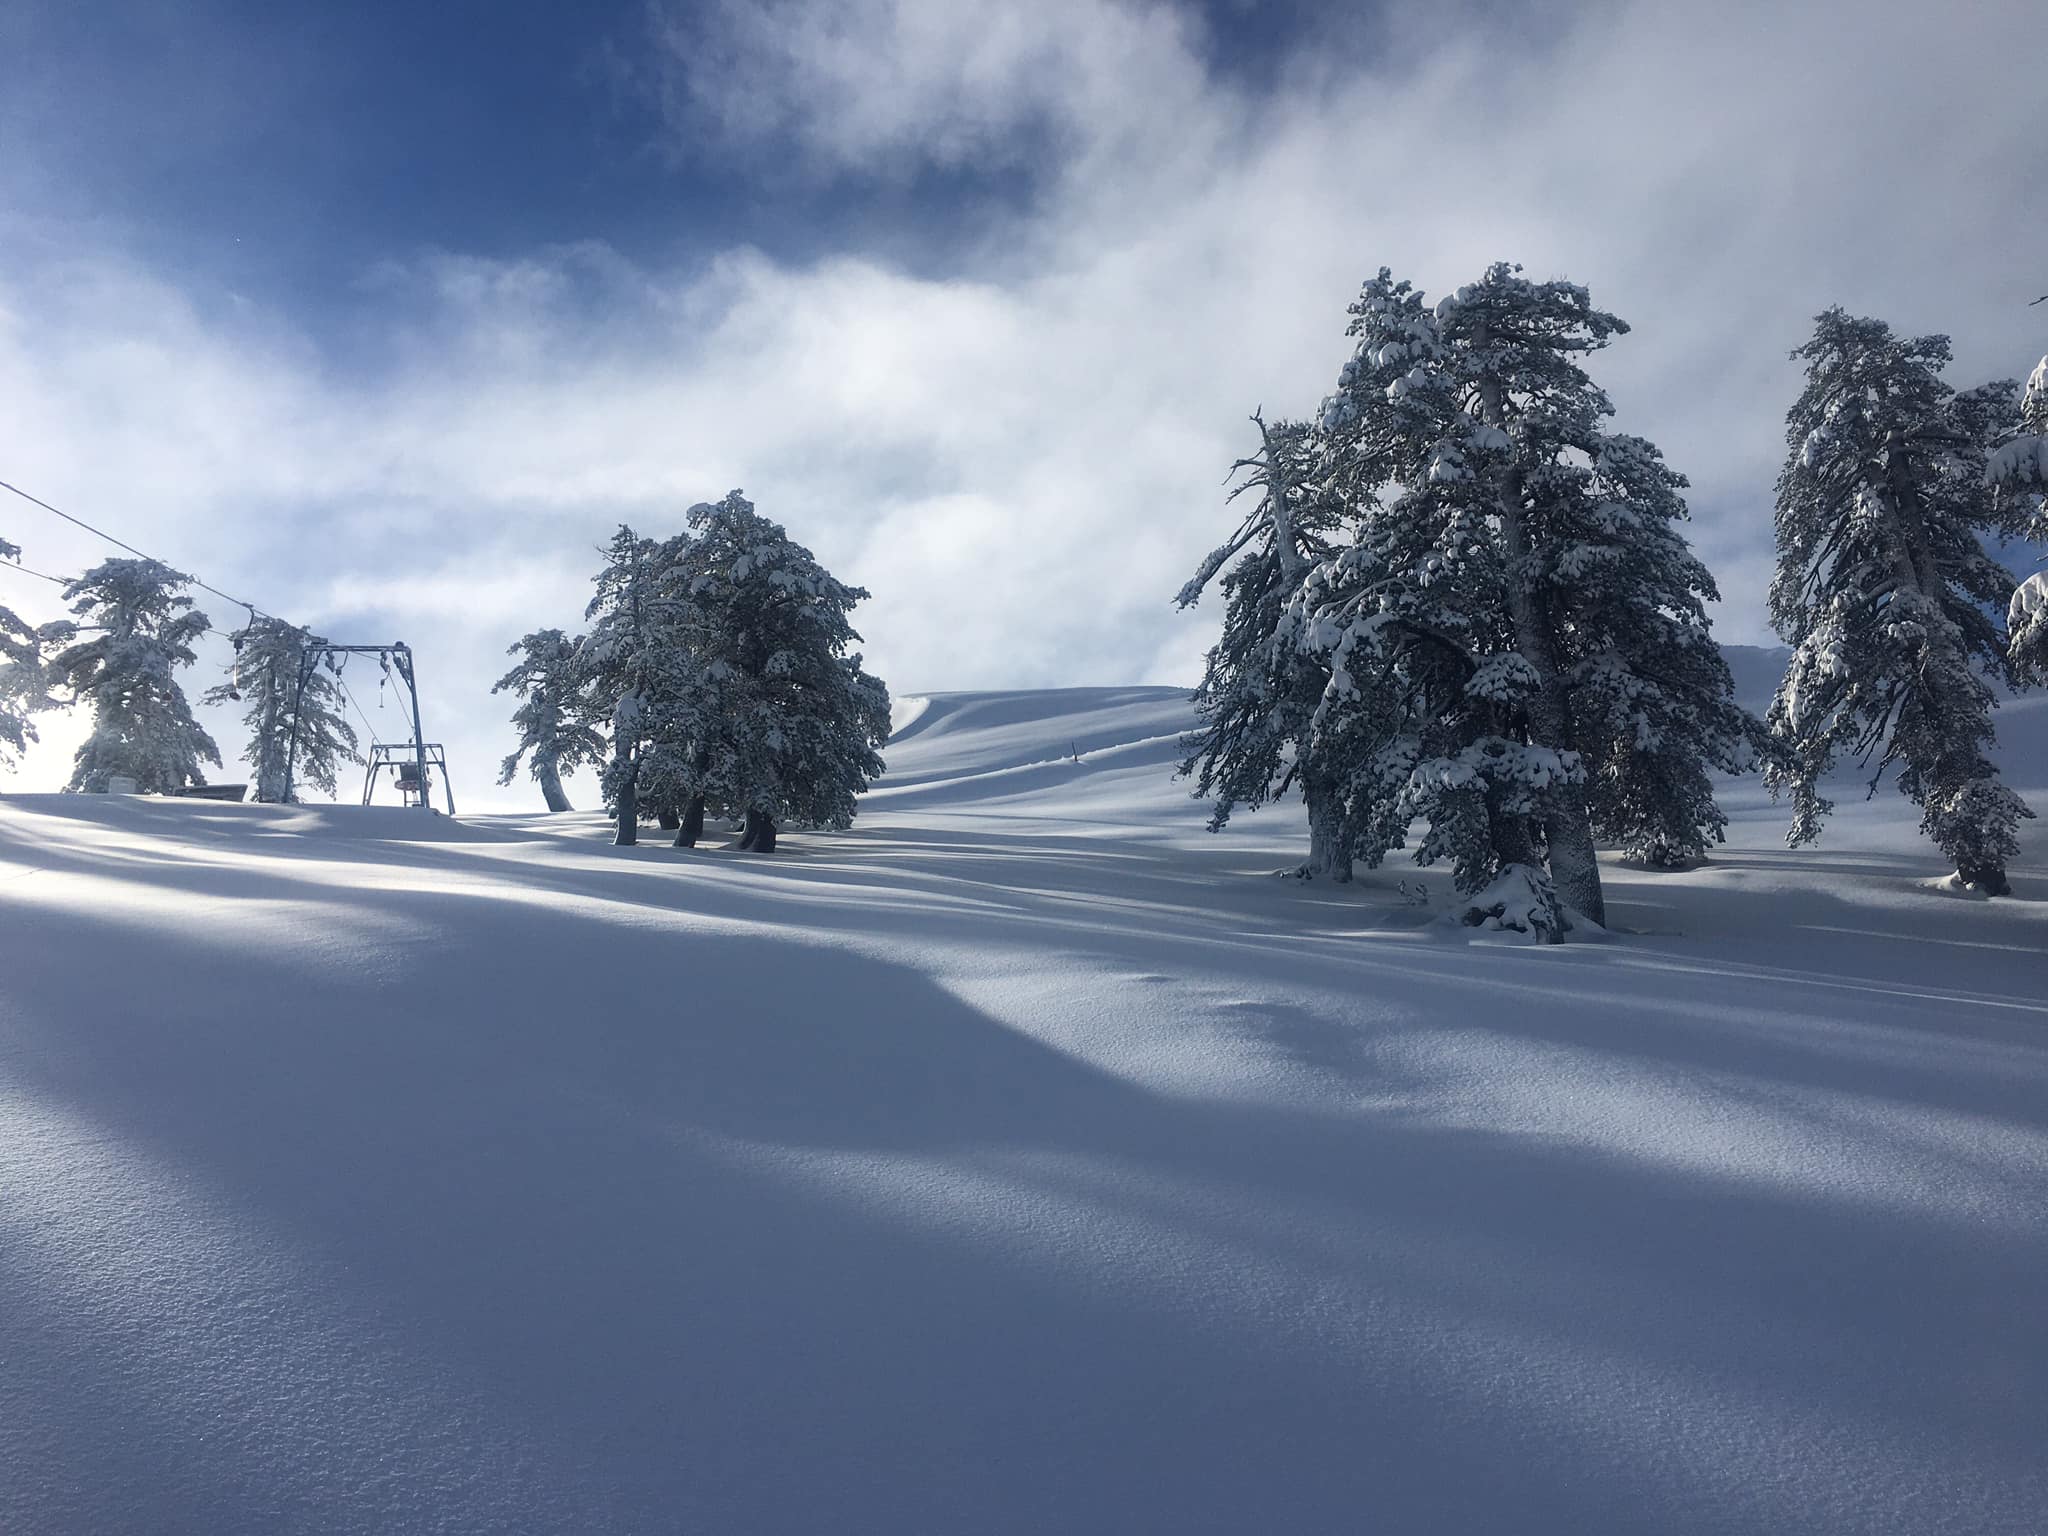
point(9, 565)
point(124, 544)
point(369, 731)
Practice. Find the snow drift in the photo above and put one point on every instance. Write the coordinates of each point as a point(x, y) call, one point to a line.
point(1024, 1159)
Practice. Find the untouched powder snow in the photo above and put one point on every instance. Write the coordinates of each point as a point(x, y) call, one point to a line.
point(1022, 1160)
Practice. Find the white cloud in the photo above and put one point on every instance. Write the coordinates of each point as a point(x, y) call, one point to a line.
point(1023, 462)
point(889, 86)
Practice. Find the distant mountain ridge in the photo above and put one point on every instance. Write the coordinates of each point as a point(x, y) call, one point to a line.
point(1010, 741)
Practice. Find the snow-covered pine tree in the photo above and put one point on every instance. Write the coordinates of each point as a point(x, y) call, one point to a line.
point(264, 674)
point(685, 695)
point(1885, 592)
point(694, 698)
point(1407, 615)
point(614, 659)
point(2018, 468)
point(1652, 700)
point(1260, 687)
point(142, 628)
point(767, 716)
point(1517, 639)
point(554, 735)
point(23, 686)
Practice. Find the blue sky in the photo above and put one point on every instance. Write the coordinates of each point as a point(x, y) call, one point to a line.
point(384, 314)
point(284, 151)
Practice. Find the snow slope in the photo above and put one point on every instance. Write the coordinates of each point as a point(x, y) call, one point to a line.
point(1023, 1160)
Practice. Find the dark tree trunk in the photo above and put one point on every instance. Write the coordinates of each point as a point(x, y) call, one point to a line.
point(551, 788)
point(1514, 840)
point(759, 836)
point(629, 815)
point(693, 824)
point(1568, 828)
point(1328, 859)
point(269, 767)
point(669, 818)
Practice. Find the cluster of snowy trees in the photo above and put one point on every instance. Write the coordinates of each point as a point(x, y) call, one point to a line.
point(716, 679)
point(133, 629)
point(1461, 608)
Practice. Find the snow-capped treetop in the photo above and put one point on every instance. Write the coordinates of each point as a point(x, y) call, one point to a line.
point(1511, 335)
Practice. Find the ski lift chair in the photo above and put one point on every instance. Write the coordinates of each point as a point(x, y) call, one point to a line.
point(412, 786)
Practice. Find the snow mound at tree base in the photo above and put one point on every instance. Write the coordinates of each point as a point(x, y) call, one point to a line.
point(1520, 900)
point(1956, 885)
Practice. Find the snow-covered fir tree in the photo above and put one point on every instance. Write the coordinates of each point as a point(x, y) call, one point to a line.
point(645, 683)
point(23, 686)
point(765, 714)
point(264, 676)
point(1651, 699)
point(555, 735)
point(617, 659)
point(722, 656)
point(1519, 652)
point(1885, 592)
point(142, 627)
point(2018, 469)
point(693, 696)
point(1260, 686)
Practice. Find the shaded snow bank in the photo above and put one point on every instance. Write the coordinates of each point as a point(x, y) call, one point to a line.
point(176, 816)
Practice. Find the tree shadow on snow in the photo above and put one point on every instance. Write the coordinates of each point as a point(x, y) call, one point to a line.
point(790, 1236)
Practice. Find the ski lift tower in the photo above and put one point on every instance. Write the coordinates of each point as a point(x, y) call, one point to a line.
point(395, 657)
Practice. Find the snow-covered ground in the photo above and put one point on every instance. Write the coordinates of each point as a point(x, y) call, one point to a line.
point(1024, 1159)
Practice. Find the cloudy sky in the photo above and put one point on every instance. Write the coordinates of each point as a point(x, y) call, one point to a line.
point(382, 315)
